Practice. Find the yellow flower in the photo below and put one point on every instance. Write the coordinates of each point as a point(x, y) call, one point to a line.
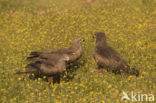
point(109, 86)
point(19, 78)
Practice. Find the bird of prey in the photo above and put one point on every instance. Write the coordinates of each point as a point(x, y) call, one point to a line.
point(53, 62)
point(74, 52)
point(48, 67)
point(108, 58)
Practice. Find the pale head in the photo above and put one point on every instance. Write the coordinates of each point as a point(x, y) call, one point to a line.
point(78, 41)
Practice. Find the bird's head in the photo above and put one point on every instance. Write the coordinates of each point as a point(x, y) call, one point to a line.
point(76, 44)
point(100, 36)
point(77, 41)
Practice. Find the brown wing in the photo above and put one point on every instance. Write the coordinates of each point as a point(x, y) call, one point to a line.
point(51, 67)
point(38, 56)
point(108, 57)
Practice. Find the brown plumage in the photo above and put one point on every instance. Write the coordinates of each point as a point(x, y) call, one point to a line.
point(108, 58)
point(52, 63)
point(74, 52)
point(48, 67)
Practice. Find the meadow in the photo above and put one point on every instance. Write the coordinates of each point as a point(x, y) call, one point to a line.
point(40, 25)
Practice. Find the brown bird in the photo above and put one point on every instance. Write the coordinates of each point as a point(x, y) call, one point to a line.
point(108, 58)
point(74, 52)
point(48, 67)
point(51, 63)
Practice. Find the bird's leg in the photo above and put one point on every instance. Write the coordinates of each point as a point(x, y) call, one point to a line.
point(50, 80)
point(68, 67)
point(57, 78)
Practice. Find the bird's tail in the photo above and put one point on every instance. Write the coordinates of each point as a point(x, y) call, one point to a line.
point(34, 56)
point(130, 71)
point(34, 65)
point(134, 72)
point(35, 53)
point(31, 68)
point(27, 71)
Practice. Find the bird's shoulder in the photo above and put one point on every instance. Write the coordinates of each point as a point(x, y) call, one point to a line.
point(108, 52)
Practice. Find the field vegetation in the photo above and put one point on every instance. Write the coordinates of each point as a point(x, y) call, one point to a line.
point(40, 25)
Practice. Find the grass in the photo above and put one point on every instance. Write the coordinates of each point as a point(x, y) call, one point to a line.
point(41, 25)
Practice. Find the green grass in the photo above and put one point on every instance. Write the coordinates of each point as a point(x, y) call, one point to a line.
point(40, 25)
